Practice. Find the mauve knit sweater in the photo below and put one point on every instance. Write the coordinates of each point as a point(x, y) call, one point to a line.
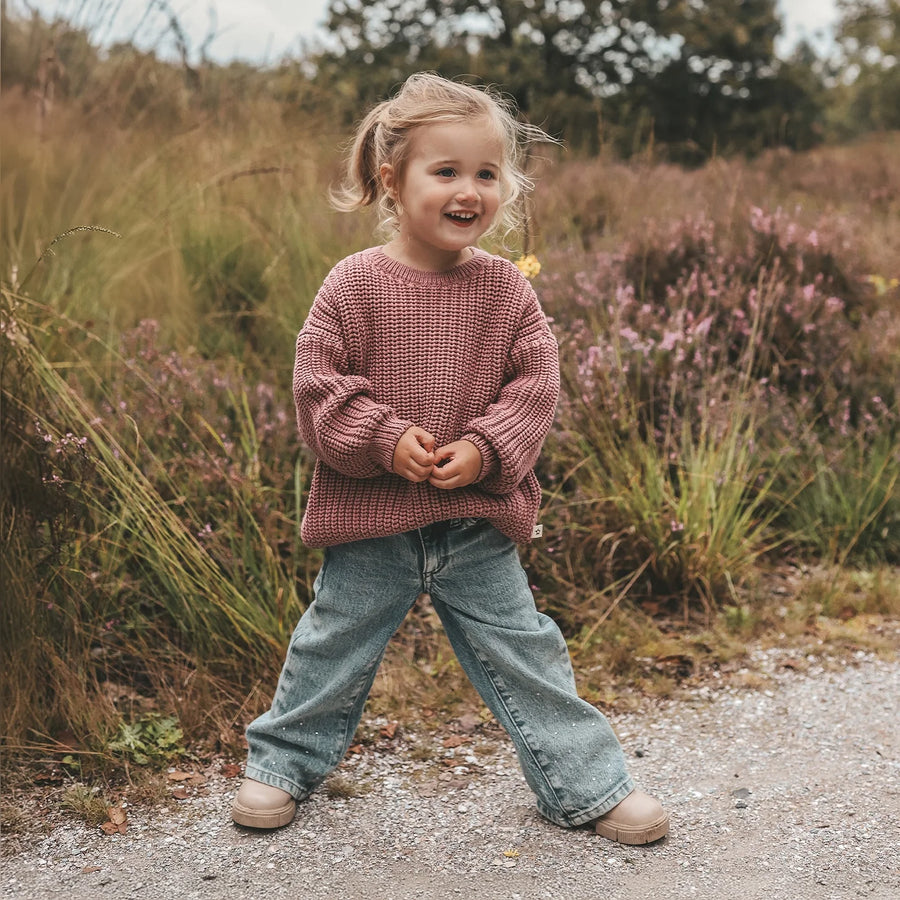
point(464, 354)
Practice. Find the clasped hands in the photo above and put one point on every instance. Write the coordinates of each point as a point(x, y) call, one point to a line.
point(451, 466)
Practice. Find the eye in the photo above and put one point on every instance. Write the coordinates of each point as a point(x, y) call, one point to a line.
point(446, 172)
point(487, 175)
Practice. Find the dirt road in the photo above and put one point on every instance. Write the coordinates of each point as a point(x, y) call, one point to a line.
point(788, 791)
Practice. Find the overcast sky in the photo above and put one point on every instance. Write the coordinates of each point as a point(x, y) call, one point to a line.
point(261, 31)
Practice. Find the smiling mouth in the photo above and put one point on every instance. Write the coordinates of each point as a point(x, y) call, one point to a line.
point(462, 218)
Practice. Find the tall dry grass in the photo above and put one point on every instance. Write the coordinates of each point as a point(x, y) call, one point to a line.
point(724, 336)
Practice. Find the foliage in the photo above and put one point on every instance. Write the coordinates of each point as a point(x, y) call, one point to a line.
point(702, 75)
point(728, 343)
point(151, 740)
point(849, 508)
point(691, 79)
point(707, 365)
point(114, 561)
point(85, 803)
point(868, 80)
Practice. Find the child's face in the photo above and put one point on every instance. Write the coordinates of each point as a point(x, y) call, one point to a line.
point(449, 192)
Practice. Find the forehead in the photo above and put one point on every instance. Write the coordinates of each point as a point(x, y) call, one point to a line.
point(476, 139)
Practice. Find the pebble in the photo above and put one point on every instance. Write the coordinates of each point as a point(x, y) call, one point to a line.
point(755, 781)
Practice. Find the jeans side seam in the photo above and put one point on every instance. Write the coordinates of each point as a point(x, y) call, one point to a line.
point(363, 692)
point(495, 682)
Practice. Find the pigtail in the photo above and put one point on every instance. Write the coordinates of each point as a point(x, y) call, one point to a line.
point(362, 186)
point(365, 158)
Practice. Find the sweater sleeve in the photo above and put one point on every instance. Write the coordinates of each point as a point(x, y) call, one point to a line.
point(337, 412)
point(512, 430)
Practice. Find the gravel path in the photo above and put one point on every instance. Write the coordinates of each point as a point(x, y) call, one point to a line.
point(790, 791)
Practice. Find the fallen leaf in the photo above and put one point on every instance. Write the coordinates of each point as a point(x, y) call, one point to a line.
point(468, 722)
point(118, 821)
point(511, 854)
point(117, 815)
point(456, 740)
point(356, 748)
point(48, 777)
point(389, 730)
point(231, 770)
point(180, 776)
point(88, 869)
point(679, 663)
point(181, 794)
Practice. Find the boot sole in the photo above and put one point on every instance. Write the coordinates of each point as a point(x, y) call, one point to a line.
point(634, 834)
point(263, 818)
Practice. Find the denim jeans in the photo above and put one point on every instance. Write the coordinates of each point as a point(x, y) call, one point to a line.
point(514, 655)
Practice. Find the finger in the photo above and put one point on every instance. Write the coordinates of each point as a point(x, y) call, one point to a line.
point(443, 457)
point(445, 484)
point(422, 437)
point(444, 469)
point(423, 462)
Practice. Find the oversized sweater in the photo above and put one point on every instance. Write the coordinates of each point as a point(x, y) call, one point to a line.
point(466, 354)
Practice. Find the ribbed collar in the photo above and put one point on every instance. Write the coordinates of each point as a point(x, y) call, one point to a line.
point(465, 270)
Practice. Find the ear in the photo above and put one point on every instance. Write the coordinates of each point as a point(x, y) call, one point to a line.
point(389, 181)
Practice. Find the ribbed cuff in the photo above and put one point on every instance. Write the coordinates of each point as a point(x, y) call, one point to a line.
point(384, 442)
point(489, 461)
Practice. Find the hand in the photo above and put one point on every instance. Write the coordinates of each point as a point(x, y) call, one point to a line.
point(414, 455)
point(456, 465)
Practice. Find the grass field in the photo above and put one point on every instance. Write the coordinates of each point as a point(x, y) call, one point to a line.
point(730, 350)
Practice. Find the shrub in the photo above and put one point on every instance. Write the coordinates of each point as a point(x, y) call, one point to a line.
point(706, 370)
point(126, 554)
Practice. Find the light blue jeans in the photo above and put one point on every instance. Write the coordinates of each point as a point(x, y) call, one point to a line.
point(514, 655)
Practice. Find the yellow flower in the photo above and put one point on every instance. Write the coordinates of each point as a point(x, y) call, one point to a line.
point(881, 284)
point(529, 265)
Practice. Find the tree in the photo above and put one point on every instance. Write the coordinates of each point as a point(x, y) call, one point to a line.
point(868, 91)
point(726, 90)
point(693, 70)
point(555, 58)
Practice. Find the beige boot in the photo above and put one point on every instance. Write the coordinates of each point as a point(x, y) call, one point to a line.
point(638, 819)
point(258, 805)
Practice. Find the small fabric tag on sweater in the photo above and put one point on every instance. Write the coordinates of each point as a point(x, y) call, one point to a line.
point(537, 531)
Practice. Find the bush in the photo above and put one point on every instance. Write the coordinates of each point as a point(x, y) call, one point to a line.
point(730, 375)
point(706, 369)
point(124, 553)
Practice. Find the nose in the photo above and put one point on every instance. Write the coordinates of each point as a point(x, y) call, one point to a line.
point(467, 190)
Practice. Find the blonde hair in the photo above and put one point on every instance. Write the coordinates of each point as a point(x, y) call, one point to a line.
point(385, 134)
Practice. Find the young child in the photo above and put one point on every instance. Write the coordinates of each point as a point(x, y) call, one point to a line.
point(426, 379)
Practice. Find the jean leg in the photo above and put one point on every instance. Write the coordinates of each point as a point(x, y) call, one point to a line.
point(518, 661)
point(362, 594)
